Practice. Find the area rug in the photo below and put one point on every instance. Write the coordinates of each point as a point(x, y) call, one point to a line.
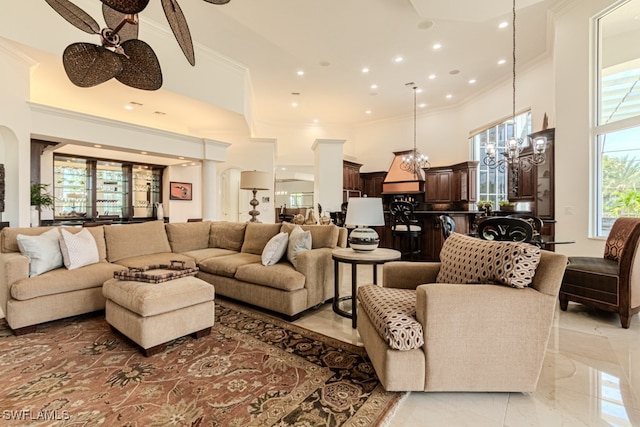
point(253, 370)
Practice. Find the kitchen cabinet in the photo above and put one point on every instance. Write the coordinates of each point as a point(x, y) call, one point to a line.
point(372, 183)
point(438, 185)
point(456, 184)
point(351, 185)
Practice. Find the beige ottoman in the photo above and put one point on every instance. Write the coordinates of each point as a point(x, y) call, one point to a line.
point(152, 314)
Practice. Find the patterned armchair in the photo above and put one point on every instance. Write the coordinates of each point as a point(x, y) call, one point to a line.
point(610, 283)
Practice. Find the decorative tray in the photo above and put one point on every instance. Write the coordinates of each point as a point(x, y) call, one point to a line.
point(156, 273)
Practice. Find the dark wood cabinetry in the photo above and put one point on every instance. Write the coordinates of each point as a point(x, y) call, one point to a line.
point(372, 183)
point(351, 183)
point(456, 184)
point(438, 185)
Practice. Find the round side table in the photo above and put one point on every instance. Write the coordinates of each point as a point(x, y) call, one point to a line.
point(349, 256)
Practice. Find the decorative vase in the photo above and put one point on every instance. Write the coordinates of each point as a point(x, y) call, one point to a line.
point(159, 211)
point(34, 216)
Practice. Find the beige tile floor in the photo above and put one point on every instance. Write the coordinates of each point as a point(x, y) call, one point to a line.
point(590, 377)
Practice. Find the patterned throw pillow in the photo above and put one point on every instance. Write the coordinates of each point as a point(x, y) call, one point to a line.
point(467, 259)
point(299, 241)
point(78, 249)
point(274, 250)
point(43, 251)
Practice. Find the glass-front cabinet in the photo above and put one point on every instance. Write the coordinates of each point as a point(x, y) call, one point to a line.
point(93, 189)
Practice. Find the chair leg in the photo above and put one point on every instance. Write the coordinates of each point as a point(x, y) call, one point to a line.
point(625, 320)
point(564, 301)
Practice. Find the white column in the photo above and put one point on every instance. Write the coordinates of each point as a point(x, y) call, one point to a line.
point(214, 152)
point(327, 189)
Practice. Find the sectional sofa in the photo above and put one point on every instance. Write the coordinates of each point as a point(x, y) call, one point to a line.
point(228, 255)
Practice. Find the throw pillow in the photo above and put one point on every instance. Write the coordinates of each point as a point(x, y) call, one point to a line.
point(275, 249)
point(465, 259)
point(43, 251)
point(299, 241)
point(78, 249)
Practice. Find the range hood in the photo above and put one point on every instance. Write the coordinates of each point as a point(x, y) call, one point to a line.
point(399, 181)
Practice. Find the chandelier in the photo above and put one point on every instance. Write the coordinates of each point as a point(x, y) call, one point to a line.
point(515, 145)
point(415, 161)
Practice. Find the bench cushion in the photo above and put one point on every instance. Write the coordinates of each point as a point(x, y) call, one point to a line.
point(228, 265)
point(393, 314)
point(150, 299)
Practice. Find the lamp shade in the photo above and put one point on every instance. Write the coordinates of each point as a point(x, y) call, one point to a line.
point(255, 180)
point(365, 211)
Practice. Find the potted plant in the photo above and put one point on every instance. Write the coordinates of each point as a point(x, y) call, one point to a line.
point(40, 198)
point(485, 205)
point(507, 206)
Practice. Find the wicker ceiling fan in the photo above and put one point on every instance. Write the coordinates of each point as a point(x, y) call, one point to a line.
point(121, 54)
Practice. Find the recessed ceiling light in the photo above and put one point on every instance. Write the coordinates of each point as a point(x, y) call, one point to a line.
point(437, 46)
point(97, 145)
point(294, 104)
point(300, 73)
point(422, 105)
point(143, 152)
point(368, 112)
point(502, 62)
point(425, 25)
point(184, 165)
point(449, 96)
point(418, 90)
point(180, 158)
point(283, 169)
point(365, 70)
point(315, 120)
point(374, 86)
point(432, 76)
point(398, 59)
point(472, 81)
point(193, 164)
point(503, 24)
point(128, 107)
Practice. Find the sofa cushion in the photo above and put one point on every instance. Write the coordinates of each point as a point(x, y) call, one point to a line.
point(280, 276)
point(227, 235)
point(393, 313)
point(200, 255)
point(299, 241)
point(79, 249)
point(188, 236)
point(164, 258)
point(322, 236)
point(465, 259)
point(257, 235)
point(275, 249)
point(43, 251)
point(133, 240)
point(227, 265)
point(62, 280)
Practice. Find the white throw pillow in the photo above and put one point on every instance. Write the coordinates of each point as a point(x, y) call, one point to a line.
point(275, 248)
point(78, 249)
point(43, 251)
point(299, 241)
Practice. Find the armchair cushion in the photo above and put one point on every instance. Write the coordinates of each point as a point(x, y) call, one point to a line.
point(393, 314)
point(466, 259)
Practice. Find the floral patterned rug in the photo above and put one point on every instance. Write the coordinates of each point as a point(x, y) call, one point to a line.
point(253, 370)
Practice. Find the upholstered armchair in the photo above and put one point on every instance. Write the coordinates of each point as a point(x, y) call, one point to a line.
point(448, 336)
point(610, 283)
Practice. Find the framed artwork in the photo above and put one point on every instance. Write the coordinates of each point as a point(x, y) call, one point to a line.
point(180, 191)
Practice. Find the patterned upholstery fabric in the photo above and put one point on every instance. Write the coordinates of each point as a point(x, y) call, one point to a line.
point(393, 313)
point(618, 235)
point(466, 259)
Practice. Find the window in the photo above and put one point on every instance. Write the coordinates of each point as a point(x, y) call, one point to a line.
point(492, 183)
point(617, 131)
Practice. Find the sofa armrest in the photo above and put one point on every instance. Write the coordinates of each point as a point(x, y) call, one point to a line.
point(484, 337)
point(13, 267)
point(317, 267)
point(408, 275)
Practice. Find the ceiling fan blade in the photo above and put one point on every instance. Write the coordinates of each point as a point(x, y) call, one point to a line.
point(75, 16)
point(178, 24)
point(141, 69)
point(127, 6)
point(89, 65)
point(113, 18)
point(217, 1)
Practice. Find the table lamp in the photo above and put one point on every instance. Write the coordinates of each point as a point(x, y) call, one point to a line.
point(254, 181)
point(363, 212)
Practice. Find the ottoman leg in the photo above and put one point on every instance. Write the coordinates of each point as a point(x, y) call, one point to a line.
point(201, 333)
point(154, 350)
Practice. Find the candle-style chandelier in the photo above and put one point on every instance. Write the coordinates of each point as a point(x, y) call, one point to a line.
point(515, 145)
point(415, 161)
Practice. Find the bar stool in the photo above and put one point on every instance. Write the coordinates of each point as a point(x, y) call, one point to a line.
point(405, 227)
